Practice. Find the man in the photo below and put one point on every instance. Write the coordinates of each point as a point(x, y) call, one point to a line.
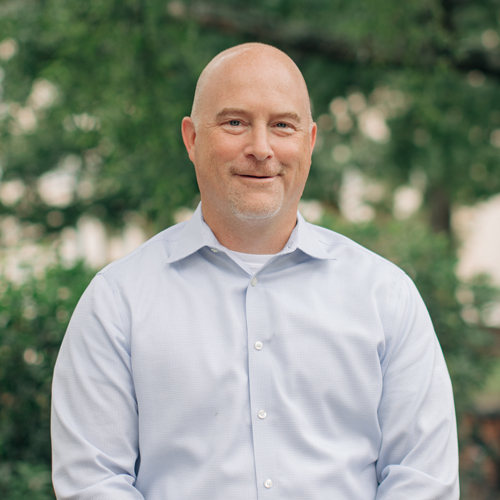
point(247, 354)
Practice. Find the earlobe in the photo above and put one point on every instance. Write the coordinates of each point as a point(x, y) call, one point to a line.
point(188, 136)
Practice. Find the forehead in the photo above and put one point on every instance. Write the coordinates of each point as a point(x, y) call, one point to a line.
point(255, 81)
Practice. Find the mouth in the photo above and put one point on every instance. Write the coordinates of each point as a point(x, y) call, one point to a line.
point(257, 180)
point(248, 176)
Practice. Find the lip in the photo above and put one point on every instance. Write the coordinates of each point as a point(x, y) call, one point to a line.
point(260, 179)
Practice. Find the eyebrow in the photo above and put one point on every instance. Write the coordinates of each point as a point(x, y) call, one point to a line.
point(237, 111)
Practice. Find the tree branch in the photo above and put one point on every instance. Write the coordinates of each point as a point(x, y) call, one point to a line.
point(305, 39)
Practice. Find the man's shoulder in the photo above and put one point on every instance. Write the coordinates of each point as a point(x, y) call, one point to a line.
point(351, 253)
point(146, 258)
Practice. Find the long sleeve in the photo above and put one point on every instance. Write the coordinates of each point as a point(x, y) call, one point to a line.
point(418, 457)
point(94, 411)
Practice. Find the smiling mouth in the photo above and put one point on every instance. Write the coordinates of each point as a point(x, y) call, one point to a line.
point(257, 176)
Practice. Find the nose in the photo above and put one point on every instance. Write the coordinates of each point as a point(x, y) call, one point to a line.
point(258, 145)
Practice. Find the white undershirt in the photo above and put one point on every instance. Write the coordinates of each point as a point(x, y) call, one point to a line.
point(253, 261)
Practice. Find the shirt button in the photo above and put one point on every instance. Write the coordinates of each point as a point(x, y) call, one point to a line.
point(268, 483)
point(258, 345)
point(214, 250)
point(262, 414)
point(253, 281)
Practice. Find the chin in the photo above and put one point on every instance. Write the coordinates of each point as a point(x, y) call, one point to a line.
point(255, 213)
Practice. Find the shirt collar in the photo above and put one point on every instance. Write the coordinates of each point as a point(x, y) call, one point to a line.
point(193, 235)
point(196, 234)
point(310, 239)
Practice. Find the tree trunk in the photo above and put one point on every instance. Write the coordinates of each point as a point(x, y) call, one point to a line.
point(440, 210)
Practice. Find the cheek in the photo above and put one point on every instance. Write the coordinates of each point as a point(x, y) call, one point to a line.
point(294, 152)
point(224, 148)
point(298, 159)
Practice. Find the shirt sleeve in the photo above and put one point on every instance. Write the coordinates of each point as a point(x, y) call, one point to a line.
point(94, 418)
point(419, 452)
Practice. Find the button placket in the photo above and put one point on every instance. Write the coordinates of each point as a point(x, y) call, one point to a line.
point(259, 329)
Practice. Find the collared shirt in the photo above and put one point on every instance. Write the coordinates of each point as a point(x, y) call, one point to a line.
point(183, 376)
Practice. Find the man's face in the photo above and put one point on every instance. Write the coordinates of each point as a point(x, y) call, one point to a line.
point(252, 140)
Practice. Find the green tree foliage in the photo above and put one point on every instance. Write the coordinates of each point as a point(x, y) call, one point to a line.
point(439, 59)
point(97, 90)
point(91, 98)
point(123, 72)
point(33, 318)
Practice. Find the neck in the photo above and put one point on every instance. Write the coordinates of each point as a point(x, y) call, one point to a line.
point(258, 236)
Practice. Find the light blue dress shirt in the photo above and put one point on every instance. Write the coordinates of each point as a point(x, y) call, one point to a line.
point(182, 376)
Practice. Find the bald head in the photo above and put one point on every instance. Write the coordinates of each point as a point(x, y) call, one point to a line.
point(255, 57)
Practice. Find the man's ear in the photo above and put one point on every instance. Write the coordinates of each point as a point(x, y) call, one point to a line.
point(189, 136)
point(314, 130)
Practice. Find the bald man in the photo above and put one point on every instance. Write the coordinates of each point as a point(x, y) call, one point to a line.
point(247, 354)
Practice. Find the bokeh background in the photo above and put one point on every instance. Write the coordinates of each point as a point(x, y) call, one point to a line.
point(407, 99)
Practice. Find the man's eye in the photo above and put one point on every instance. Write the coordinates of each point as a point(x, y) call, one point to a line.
point(234, 123)
point(282, 125)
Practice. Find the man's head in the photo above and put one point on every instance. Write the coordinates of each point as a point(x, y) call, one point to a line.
point(250, 135)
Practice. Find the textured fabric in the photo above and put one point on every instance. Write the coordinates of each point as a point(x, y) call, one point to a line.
point(182, 376)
